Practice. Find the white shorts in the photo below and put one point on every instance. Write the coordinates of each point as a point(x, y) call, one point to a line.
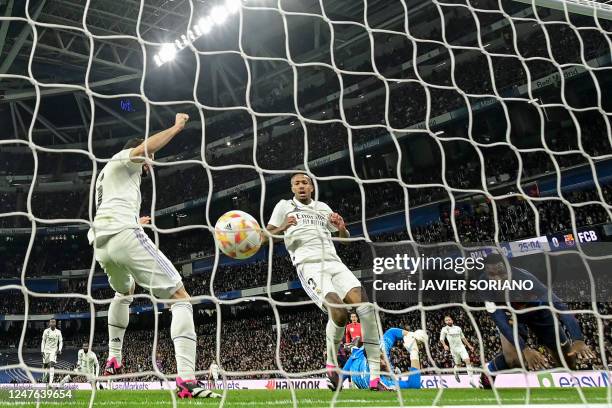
point(215, 376)
point(320, 278)
point(460, 355)
point(131, 256)
point(50, 357)
point(410, 343)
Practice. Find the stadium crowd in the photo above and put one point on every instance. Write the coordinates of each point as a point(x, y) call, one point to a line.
point(301, 346)
point(474, 221)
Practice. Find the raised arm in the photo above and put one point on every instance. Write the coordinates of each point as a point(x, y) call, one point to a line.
point(159, 140)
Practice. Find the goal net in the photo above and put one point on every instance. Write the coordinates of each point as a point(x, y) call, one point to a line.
point(440, 130)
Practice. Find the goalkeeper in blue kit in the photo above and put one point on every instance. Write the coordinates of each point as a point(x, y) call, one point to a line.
point(359, 371)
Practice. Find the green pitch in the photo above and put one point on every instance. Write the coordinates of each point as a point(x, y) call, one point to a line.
point(320, 398)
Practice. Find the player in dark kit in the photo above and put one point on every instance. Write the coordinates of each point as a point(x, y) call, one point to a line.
point(540, 322)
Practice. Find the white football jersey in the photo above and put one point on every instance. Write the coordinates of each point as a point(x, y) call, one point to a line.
point(52, 341)
point(88, 362)
point(453, 334)
point(309, 240)
point(118, 196)
point(214, 369)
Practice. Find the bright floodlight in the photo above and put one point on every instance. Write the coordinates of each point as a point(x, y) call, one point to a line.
point(167, 52)
point(219, 14)
point(233, 6)
point(205, 25)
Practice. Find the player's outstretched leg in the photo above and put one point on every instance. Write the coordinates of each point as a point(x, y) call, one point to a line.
point(118, 319)
point(333, 336)
point(182, 331)
point(370, 333)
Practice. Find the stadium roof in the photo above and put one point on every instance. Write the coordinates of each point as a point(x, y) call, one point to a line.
point(63, 51)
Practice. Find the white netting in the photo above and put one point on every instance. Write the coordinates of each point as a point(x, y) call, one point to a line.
point(494, 95)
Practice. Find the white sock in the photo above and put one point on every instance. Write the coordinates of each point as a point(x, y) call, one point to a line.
point(371, 338)
point(183, 335)
point(51, 374)
point(333, 336)
point(118, 320)
point(469, 371)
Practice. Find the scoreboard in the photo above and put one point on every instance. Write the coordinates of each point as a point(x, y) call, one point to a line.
point(561, 241)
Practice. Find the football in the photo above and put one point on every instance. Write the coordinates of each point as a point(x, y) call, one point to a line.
point(238, 234)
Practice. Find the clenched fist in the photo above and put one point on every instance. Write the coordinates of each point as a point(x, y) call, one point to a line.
point(181, 120)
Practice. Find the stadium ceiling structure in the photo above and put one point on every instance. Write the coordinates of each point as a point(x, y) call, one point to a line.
point(60, 55)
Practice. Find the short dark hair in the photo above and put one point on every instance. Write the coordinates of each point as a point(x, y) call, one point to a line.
point(134, 142)
point(301, 173)
point(493, 258)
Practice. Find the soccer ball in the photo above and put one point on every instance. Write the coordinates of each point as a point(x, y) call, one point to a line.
point(238, 234)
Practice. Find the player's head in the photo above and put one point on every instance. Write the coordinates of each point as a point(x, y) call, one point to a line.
point(495, 267)
point(85, 346)
point(448, 320)
point(135, 142)
point(301, 186)
point(354, 317)
point(52, 324)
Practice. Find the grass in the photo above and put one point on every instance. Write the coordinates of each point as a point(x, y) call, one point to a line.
point(321, 398)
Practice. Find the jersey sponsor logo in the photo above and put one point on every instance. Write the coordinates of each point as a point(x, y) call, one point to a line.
point(304, 218)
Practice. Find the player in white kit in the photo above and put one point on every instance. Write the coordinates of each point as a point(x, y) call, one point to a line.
point(456, 345)
point(50, 346)
point(307, 226)
point(87, 365)
point(213, 374)
point(128, 256)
